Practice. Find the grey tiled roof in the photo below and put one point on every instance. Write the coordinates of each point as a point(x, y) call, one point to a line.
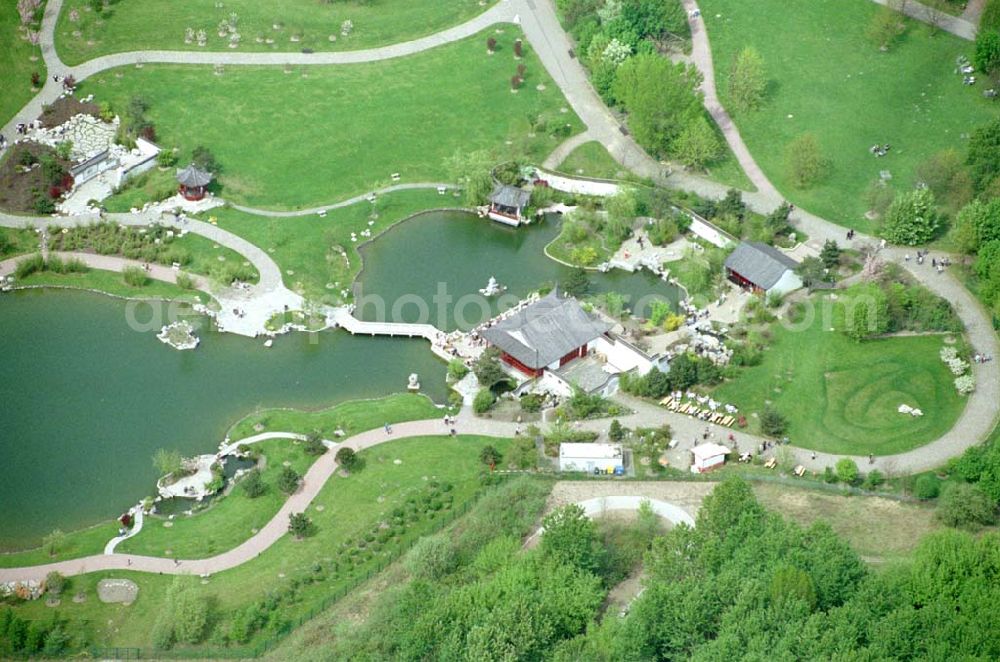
point(545, 331)
point(759, 263)
point(193, 176)
point(509, 196)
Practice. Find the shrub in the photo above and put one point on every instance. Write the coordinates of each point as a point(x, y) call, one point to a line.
point(457, 370)
point(772, 423)
point(185, 281)
point(135, 277)
point(432, 558)
point(483, 401)
point(55, 583)
point(847, 471)
point(29, 265)
point(805, 161)
point(532, 402)
point(313, 445)
point(912, 219)
point(348, 459)
point(874, 479)
point(927, 487)
point(288, 480)
point(490, 456)
point(253, 485)
point(299, 525)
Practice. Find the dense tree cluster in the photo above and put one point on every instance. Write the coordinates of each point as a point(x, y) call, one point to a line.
point(685, 371)
point(745, 584)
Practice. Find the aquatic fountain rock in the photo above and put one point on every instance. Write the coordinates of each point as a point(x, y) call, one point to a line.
point(413, 382)
point(492, 288)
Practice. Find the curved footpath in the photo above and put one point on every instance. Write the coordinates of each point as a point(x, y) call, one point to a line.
point(416, 186)
point(544, 32)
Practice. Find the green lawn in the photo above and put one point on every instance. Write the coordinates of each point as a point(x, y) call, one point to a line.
point(17, 241)
point(154, 186)
point(591, 159)
point(349, 507)
point(16, 64)
point(827, 79)
point(310, 246)
point(161, 24)
point(352, 417)
point(112, 282)
point(841, 397)
point(343, 130)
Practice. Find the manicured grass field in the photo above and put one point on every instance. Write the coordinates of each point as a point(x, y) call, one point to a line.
point(350, 506)
point(591, 159)
point(841, 397)
point(160, 24)
point(309, 246)
point(16, 65)
point(828, 79)
point(317, 135)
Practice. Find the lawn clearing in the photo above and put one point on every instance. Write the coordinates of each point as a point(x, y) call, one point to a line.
point(591, 159)
point(878, 529)
point(18, 60)
point(161, 24)
point(840, 396)
point(349, 508)
point(17, 241)
point(310, 249)
point(113, 283)
point(829, 80)
point(344, 130)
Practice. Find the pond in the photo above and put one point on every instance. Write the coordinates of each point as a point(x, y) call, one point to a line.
point(86, 400)
point(430, 269)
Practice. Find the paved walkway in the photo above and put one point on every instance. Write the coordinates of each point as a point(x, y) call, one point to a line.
point(964, 26)
point(416, 186)
point(559, 154)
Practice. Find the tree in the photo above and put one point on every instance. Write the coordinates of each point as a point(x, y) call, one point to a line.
point(491, 45)
point(987, 55)
point(885, 28)
point(912, 219)
point(577, 284)
point(189, 611)
point(697, 145)
point(811, 270)
point(683, 372)
point(490, 456)
point(571, 537)
point(866, 313)
point(983, 156)
point(966, 506)
point(348, 459)
point(299, 525)
point(772, 423)
point(847, 471)
point(53, 542)
point(472, 171)
point(805, 161)
point(976, 224)
point(252, 484)
point(487, 368)
point(484, 401)
point(659, 97)
point(523, 453)
point(777, 220)
point(288, 480)
point(617, 431)
point(205, 159)
point(830, 255)
point(946, 175)
point(168, 461)
point(791, 583)
point(313, 445)
point(747, 80)
point(432, 558)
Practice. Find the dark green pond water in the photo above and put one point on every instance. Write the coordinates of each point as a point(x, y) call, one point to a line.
point(430, 269)
point(85, 400)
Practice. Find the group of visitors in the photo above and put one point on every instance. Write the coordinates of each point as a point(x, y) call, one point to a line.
point(451, 422)
point(982, 358)
point(880, 150)
point(850, 234)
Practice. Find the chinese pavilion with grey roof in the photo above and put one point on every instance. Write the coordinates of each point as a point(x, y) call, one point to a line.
point(507, 204)
point(547, 334)
point(762, 268)
point(192, 181)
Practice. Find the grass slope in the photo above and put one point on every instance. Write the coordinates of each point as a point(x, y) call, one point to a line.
point(16, 65)
point(591, 159)
point(112, 282)
point(132, 25)
point(308, 248)
point(350, 506)
point(343, 130)
point(828, 79)
point(841, 397)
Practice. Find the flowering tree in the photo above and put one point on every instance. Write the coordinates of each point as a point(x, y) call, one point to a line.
point(74, 15)
point(616, 52)
point(26, 9)
point(188, 35)
point(346, 27)
point(965, 384)
point(873, 267)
